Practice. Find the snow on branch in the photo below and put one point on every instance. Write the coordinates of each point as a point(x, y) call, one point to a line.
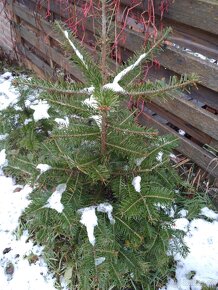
point(90, 220)
point(77, 52)
point(124, 72)
point(54, 200)
point(115, 84)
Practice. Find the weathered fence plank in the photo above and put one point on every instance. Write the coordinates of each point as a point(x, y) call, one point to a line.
point(186, 147)
point(201, 14)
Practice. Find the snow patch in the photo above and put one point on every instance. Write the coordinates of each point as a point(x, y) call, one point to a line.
point(22, 274)
point(138, 161)
point(63, 123)
point(43, 167)
point(89, 90)
point(3, 160)
point(136, 182)
point(91, 102)
point(40, 110)
point(98, 120)
point(8, 93)
point(181, 132)
point(77, 52)
point(159, 156)
point(99, 261)
point(200, 265)
point(114, 87)
point(181, 224)
point(124, 72)
point(209, 213)
point(90, 220)
point(54, 200)
point(106, 208)
point(183, 213)
point(3, 137)
point(27, 121)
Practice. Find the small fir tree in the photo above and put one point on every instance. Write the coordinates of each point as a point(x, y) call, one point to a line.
point(103, 185)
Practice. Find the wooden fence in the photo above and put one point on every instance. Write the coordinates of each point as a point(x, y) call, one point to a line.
point(195, 27)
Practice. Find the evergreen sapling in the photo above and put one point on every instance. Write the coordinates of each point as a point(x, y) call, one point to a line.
point(103, 185)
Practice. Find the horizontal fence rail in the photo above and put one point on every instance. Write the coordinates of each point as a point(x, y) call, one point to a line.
point(192, 48)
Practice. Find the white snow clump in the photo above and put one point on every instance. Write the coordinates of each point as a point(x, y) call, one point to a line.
point(63, 123)
point(138, 161)
point(106, 208)
point(77, 52)
point(91, 102)
point(136, 182)
point(209, 213)
point(99, 261)
point(159, 156)
point(90, 220)
point(43, 167)
point(3, 160)
point(181, 132)
point(41, 110)
point(54, 200)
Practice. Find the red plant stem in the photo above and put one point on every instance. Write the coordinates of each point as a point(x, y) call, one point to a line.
point(104, 41)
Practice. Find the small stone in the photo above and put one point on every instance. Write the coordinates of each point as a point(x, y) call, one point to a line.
point(17, 189)
point(9, 269)
point(6, 250)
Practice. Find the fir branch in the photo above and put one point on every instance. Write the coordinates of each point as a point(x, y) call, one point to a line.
point(116, 274)
point(73, 135)
point(161, 146)
point(61, 169)
point(57, 87)
point(128, 227)
point(129, 261)
point(146, 207)
point(77, 52)
point(128, 117)
point(169, 87)
point(85, 91)
point(127, 131)
point(19, 169)
point(152, 168)
point(115, 84)
point(81, 57)
point(25, 162)
point(159, 197)
point(90, 162)
point(67, 158)
point(104, 124)
point(127, 150)
point(66, 105)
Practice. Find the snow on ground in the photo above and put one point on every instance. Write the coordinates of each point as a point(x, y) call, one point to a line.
point(200, 265)
point(21, 263)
